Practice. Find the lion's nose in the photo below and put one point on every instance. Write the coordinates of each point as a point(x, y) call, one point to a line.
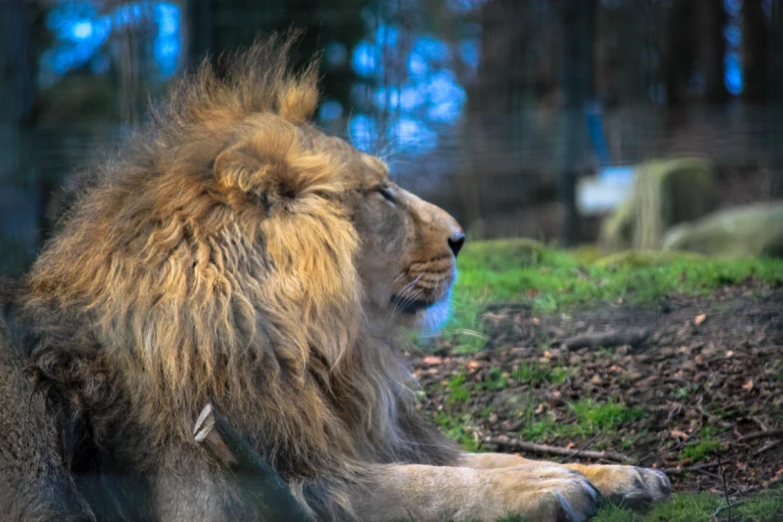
point(456, 240)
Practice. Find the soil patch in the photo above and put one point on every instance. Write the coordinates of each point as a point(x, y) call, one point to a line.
point(679, 386)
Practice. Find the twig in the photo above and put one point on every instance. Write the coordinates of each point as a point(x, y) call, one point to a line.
point(766, 447)
point(760, 434)
point(720, 510)
point(688, 469)
point(255, 479)
point(677, 446)
point(609, 339)
point(510, 442)
point(725, 488)
point(580, 450)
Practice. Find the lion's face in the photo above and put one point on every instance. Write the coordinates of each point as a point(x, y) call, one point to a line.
point(409, 249)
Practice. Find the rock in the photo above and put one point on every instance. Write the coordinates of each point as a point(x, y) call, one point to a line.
point(664, 193)
point(748, 231)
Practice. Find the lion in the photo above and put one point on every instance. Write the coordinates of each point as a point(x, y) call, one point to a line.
point(232, 253)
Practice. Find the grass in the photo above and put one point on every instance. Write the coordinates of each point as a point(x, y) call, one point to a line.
point(704, 448)
point(591, 418)
point(550, 280)
point(703, 507)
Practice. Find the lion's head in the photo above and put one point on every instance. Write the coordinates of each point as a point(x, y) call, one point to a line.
point(406, 247)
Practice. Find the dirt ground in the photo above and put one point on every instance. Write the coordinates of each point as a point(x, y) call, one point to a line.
point(693, 376)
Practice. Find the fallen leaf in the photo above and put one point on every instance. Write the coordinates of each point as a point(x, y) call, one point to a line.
point(548, 354)
point(570, 445)
point(536, 321)
point(431, 359)
point(741, 466)
point(699, 319)
point(474, 365)
point(540, 409)
point(679, 434)
point(748, 385)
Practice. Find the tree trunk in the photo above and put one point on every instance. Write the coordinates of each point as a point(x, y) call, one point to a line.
point(579, 87)
point(679, 55)
point(711, 18)
point(754, 52)
point(19, 176)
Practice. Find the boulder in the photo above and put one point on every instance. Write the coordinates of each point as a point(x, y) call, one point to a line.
point(748, 231)
point(664, 193)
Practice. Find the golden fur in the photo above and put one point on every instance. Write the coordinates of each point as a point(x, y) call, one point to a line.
point(231, 253)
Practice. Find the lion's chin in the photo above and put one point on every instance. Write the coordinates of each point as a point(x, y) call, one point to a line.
point(426, 320)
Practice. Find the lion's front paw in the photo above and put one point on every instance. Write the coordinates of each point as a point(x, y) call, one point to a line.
point(553, 493)
point(629, 486)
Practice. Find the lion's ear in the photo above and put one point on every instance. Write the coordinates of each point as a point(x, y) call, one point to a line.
point(238, 167)
point(272, 169)
point(299, 99)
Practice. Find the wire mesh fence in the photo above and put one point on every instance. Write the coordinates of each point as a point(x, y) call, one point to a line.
point(479, 105)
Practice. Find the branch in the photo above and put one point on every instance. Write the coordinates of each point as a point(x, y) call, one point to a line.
point(509, 442)
point(258, 482)
point(760, 434)
point(687, 469)
point(633, 337)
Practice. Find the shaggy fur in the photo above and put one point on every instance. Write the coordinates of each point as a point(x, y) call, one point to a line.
point(214, 259)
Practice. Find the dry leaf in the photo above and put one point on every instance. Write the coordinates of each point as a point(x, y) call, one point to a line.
point(540, 409)
point(699, 319)
point(748, 385)
point(536, 321)
point(679, 434)
point(431, 359)
point(474, 365)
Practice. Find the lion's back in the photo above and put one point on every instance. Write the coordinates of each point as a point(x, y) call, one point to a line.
point(29, 462)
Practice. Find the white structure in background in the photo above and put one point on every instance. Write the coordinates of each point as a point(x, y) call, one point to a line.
point(604, 192)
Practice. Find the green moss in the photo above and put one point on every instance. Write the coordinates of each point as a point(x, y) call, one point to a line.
point(542, 429)
point(459, 429)
point(702, 450)
point(686, 507)
point(458, 390)
point(551, 280)
point(593, 417)
point(497, 380)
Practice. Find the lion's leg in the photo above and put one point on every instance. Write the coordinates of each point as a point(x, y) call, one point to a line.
point(632, 486)
point(540, 492)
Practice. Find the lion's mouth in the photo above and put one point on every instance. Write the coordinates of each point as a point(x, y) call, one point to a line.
point(407, 305)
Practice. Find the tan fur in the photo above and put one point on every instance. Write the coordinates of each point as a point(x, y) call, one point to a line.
point(234, 254)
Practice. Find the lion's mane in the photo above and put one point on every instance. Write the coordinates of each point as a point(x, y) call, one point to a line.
point(163, 291)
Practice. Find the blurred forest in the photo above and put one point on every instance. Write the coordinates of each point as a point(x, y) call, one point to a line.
point(493, 109)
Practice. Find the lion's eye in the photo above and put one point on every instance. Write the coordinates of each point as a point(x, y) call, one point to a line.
point(385, 191)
